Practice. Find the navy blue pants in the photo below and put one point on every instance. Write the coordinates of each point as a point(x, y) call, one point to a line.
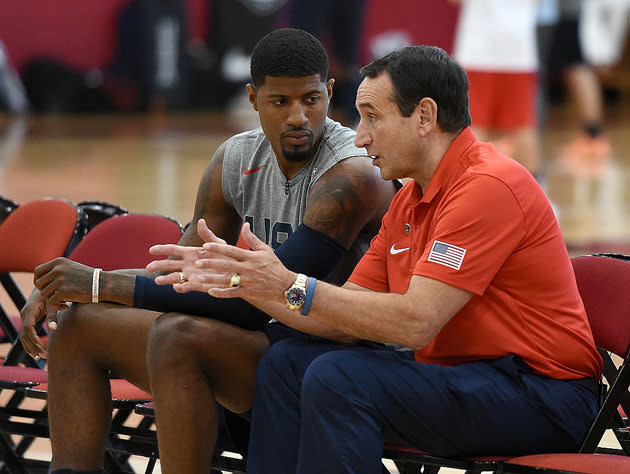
point(325, 407)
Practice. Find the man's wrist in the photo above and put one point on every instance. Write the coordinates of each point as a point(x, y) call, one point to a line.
point(288, 281)
point(116, 287)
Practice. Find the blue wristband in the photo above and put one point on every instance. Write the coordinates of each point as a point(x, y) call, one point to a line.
point(310, 290)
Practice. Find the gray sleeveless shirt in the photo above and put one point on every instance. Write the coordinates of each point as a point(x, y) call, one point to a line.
point(255, 187)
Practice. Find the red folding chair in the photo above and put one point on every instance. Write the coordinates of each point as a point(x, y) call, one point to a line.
point(118, 242)
point(7, 206)
point(568, 463)
point(123, 241)
point(30, 235)
point(604, 283)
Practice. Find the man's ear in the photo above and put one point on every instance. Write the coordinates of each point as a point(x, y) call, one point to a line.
point(251, 95)
point(329, 87)
point(426, 111)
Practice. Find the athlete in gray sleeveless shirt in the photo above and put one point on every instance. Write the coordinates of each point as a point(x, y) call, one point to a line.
point(273, 205)
point(331, 200)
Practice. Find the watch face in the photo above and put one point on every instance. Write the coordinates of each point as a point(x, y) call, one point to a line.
point(296, 296)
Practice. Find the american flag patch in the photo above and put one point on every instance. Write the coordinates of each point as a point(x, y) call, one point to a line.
point(448, 255)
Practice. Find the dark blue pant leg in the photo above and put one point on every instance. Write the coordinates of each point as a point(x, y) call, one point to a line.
point(339, 417)
point(327, 408)
point(354, 398)
point(275, 423)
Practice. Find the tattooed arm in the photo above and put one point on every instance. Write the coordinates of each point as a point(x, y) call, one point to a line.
point(349, 198)
point(211, 206)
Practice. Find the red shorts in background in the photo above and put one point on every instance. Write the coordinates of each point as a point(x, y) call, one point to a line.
point(502, 100)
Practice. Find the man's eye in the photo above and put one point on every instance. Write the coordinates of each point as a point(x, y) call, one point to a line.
point(313, 99)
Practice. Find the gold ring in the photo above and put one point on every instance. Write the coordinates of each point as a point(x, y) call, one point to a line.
point(235, 280)
point(182, 278)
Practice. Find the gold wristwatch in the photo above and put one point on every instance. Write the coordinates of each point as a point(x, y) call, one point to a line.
point(296, 294)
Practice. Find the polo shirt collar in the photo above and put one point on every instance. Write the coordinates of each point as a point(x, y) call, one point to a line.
point(448, 167)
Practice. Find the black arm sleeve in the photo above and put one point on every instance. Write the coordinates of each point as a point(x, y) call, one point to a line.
point(306, 251)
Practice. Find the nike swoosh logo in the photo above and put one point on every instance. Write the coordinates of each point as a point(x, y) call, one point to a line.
point(394, 250)
point(248, 171)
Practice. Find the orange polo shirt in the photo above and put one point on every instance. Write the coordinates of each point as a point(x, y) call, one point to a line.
point(484, 225)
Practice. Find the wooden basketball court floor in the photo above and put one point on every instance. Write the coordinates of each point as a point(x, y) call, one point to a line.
point(152, 163)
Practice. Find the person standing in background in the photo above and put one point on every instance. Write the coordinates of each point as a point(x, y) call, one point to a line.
point(567, 60)
point(495, 41)
point(340, 29)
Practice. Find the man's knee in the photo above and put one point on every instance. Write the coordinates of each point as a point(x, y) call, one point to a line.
point(330, 378)
point(171, 337)
point(73, 326)
point(274, 365)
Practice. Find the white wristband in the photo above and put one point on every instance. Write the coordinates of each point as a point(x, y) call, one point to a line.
point(95, 284)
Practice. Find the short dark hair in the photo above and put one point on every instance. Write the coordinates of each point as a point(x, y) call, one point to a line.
point(288, 52)
point(426, 71)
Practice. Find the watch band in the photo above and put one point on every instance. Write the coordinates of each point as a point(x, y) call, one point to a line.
point(300, 280)
point(310, 291)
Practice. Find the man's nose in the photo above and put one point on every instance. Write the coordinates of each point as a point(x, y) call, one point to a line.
point(362, 138)
point(297, 115)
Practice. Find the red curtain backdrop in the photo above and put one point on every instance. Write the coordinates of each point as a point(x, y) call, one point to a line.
point(430, 22)
point(83, 34)
point(79, 33)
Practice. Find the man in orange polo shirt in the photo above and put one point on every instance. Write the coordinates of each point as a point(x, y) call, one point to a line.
point(469, 270)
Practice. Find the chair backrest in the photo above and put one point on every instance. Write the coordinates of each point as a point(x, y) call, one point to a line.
point(123, 241)
point(32, 234)
point(39, 231)
point(604, 284)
